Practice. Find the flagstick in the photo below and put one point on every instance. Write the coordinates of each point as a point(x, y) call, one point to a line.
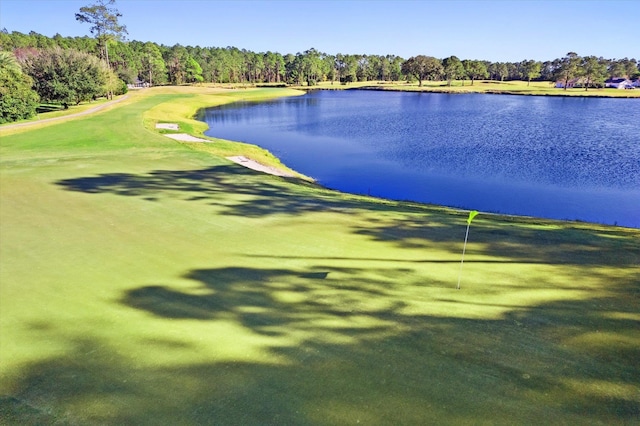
point(472, 214)
point(464, 248)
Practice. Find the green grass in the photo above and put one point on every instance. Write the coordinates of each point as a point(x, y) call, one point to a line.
point(144, 282)
point(538, 88)
point(55, 110)
point(203, 97)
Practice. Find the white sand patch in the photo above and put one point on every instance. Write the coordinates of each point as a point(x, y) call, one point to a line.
point(168, 126)
point(254, 165)
point(183, 137)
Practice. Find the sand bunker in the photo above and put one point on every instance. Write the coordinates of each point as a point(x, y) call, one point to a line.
point(168, 126)
point(240, 159)
point(183, 137)
point(254, 165)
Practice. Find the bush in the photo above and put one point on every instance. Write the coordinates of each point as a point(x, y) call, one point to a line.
point(121, 89)
point(17, 100)
point(67, 76)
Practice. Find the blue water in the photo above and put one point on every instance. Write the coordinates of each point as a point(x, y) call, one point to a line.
point(552, 157)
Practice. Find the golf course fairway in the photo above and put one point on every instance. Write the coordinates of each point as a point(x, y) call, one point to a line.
point(147, 281)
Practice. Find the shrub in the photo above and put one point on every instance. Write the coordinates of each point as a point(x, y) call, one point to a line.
point(17, 100)
point(67, 76)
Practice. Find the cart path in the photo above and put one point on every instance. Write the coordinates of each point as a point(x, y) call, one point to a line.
point(77, 114)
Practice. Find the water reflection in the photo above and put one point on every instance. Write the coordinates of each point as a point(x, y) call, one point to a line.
point(564, 158)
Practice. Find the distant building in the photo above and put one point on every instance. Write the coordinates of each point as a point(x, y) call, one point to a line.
point(138, 84)
point(619, 83)
point(574, 82)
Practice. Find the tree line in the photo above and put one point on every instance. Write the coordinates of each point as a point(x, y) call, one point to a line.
point(157, 64)
point(70, 70)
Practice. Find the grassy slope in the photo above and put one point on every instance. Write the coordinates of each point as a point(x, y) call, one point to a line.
point(142, 282)
point(183, 113)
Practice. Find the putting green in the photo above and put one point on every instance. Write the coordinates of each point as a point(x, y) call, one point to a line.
point(145, 282)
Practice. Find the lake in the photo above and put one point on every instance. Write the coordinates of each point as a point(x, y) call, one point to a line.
point(551, 157)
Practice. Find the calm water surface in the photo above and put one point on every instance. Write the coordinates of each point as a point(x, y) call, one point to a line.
point(553, 157)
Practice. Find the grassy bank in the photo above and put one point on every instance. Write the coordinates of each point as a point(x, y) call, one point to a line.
point(184, 114)
point(537, 88)
point(145, 282)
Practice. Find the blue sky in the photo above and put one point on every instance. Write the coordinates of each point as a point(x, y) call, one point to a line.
point(490, 30)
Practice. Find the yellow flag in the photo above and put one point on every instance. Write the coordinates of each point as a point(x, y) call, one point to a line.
point(472, 214)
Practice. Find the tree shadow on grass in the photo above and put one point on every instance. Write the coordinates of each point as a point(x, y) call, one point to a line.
point(260, 299)
point(358, 344)
point(513, 239)
point(237, 191)
point(343, 349)
point(568, 358)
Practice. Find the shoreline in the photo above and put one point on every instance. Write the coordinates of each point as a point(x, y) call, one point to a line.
point(283, 170)
point(491, 92)
point(489, 87)
point(256, 165)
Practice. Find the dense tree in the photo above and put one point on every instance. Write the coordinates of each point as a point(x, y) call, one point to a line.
point(159, 64)
point(548, 70)
point(17, 100)
point(328, 67)
point(311, 66)
point(475, 69)
point(498, 71)
point(568, 69)
point(254, 66)
point(103, 17)
point(273, 67)
point(67, 76)
point(340, 66)
point(351, 68)
point(9, 61)
point(5, 40)
point(152, 67)
point(594, 71)
point(41, 41)
point(125, 62)
point(294, 67)
point(104, 20)
point(193, 71)
point(366, 68)
point(423, 68)
point(530, 69)
point(395, 67)
point(176, 59)
point(616, 69)
point(377, 67)
point(220, 66)
point(630, 67)
point(627, 68)
point(237, 65)
point(453, 69)
point(346, 68)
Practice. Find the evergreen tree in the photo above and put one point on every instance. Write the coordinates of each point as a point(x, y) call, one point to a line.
point(569, 68)
point(103, 17)
point(530, 69)
point(453, 68)
point(594, 70)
